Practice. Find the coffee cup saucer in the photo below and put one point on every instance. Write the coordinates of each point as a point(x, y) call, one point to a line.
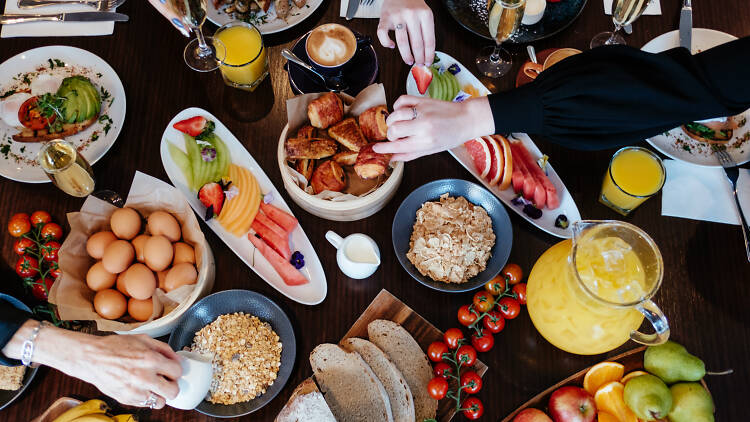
point(361, 72)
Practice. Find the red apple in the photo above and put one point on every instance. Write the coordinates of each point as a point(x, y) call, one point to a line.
point(532, 415)
point(572, 404)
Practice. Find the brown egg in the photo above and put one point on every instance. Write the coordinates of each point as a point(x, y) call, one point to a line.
point(138, 244)
point(125, 223)
point(98, 278)
point(118, 256)
point(120, 284)
point(180, 275)
point(183, 253)
point(110, 304)
point(161, 276)
point(140, 282)
point(158, 252)
point(98, 242)
point(163, 223)
point(140, 310)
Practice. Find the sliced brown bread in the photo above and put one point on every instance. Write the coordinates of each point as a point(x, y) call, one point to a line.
point(409, 358)
point(349, 386)
point(306, 405)
point(399, 394)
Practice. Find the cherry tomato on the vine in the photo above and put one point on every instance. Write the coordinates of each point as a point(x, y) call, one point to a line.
point(39, 291)
point(18, 227)
point(465, 315)
point(435, 351)
point(452, 336)
point(493, 322)
point(40, 217)
point(442, 369)
point(23, 245)
point(437, 387)
point(55, 272)
point(27, 266)
point(496, 286)
point(19, 216)
point(509, 307)
point(471, 381)
point(466, 355)
point(483, 301)
point(513, 272)
point(520, 291)
point(473, 408)
point(484, 342)
point(52, 231)
point(49, 251)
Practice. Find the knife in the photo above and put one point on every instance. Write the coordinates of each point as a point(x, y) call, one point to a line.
point(65, 17)
point(352, 9)
point(686, 25)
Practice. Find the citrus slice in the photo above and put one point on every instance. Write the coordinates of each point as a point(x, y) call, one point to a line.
point(606, 417)
point(609, 399)
point(602, 373)
point(631, 375)
point(496, 168)
point(480, 154)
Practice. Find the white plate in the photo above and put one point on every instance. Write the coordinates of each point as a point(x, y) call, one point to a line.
point(675, 143)
point(81, 62)
point(311, 293)
point(547, 221)
point(295, 16)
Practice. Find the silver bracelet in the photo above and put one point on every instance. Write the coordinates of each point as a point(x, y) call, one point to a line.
point(28, 345)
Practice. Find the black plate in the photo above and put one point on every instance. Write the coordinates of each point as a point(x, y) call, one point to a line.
point(206, 310)
point(403, 223)
point(7, 396)
point(472, 15)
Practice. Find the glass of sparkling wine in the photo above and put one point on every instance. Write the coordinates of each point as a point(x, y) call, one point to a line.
point(200, 53)
point(624, 13)
point(504, 20)
point(66, 168)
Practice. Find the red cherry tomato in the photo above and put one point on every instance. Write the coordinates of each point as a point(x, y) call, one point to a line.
point(496, 286)
point(520, 291)
point(465, 315)
point(23, 245)
point(484, 342)
point(493, 322)
point(436, 350)
point(473, 408)
point(452, 336)
point(40, 292)
point(27, 267)
point(442, 369)
point(483, 301)
point(513, 272)
point(19, 215)
point(18, 227)
point(437, 387)
point(52, 231)
point(509, 307)
point(55, 272)
point(40, 217)
point(49, 251)
point(471, 382)
point(30, 116)
point(466, 355)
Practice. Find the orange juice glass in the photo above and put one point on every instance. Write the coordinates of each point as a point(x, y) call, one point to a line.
point(634, 175)
point(245, 63)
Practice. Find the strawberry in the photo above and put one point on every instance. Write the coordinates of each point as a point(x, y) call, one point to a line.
point(212, 196)
point(422, 76)
point(193, 126)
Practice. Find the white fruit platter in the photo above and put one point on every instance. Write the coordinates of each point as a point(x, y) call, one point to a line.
point(513, 169)
point(264, 254)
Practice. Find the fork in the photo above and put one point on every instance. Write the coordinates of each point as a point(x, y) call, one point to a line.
point(100, 5)
point(732, 172)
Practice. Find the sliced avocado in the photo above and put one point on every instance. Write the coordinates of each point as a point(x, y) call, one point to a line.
point(83, 100)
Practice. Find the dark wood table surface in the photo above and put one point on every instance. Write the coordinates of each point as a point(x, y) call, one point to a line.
point(707, 276)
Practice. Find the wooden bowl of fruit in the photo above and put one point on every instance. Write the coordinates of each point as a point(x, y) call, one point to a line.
point(645, 384)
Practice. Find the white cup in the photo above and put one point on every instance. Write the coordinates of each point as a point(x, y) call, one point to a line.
point(195, 381)
point(358, 255)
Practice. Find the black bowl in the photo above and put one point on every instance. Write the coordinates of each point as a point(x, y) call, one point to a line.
point(206, 310)
point(7, 396)
point(406, 215)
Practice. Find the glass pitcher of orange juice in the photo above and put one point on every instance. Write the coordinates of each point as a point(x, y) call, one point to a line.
point(589, 294)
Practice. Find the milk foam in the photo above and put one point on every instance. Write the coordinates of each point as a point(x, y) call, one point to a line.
point(331, 45)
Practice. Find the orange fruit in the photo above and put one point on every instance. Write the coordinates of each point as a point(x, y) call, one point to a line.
point(606, 417)
point(609, 399)
point(631, 375)
point(602, 373)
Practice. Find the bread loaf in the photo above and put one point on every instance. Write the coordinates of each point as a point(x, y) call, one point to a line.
point(306, 404)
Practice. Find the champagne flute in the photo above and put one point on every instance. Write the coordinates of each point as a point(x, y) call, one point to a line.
point(67, 168)
point(200, 53)
point(624, 13)
point(504, 20)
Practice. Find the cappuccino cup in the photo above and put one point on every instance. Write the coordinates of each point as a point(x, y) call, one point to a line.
point(330, 47)
point(532, 70)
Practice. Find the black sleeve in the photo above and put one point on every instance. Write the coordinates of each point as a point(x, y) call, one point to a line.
point(617, 95)
point(11, 319)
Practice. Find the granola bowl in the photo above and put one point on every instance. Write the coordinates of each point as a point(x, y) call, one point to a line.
point(405, 223)
point(208, 309)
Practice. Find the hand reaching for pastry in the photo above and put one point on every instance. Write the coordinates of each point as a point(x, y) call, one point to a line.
point(414, 26)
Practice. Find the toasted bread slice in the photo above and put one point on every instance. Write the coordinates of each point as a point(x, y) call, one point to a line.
point(409, 358)
point(306, 132)
point(346, 158)
point(309, 149)
point(68, 129)
point(399, 394)
point(306, 404)
point(349, 386)
point(348, 134)
point(305, 168)
point(326, 110)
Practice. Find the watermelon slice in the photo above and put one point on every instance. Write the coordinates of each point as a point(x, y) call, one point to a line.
point(287, 272)
point(551, 199)
point(496, 168)
point(282, 218)
point(480, 153)
point(279, 243)
point(263, 219)
point(528, 183)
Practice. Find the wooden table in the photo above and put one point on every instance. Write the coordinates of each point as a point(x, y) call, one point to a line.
point(706, 282)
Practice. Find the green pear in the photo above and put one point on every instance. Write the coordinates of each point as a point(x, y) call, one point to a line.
point(691, 403)
point(648, 397)
point(672, 363)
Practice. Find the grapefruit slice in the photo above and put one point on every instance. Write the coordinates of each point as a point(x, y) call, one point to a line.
point(508, 165)
point(480, 154)
point(496, 168)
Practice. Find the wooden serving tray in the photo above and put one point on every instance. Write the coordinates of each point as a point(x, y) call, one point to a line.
point(632, 360)
point(387, 306)
point(57, 408)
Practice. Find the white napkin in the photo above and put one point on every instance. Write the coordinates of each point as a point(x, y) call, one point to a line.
point(653, 8)
point(703, 193)
point(372, 11)
point(53, 29)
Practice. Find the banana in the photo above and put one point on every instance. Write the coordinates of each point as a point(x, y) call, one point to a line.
point(86, 408)
point(125, 418)
point(96, 417)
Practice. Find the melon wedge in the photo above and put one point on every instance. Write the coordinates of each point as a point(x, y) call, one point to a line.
point(508, 158)
point(480, 154)
point(286, 271)
point(279, 243)
point(498, 162)
point(552, 201)
point(287, 221)
point(263, 219)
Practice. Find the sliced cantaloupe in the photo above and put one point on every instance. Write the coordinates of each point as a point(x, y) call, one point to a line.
point(239, 212)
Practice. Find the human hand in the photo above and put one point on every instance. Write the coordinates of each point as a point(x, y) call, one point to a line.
point(166, 11)
point(414, 26)
point(438, 126)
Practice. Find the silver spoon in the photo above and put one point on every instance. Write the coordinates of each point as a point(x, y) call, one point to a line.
point(332, 83)
point(532, 53)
